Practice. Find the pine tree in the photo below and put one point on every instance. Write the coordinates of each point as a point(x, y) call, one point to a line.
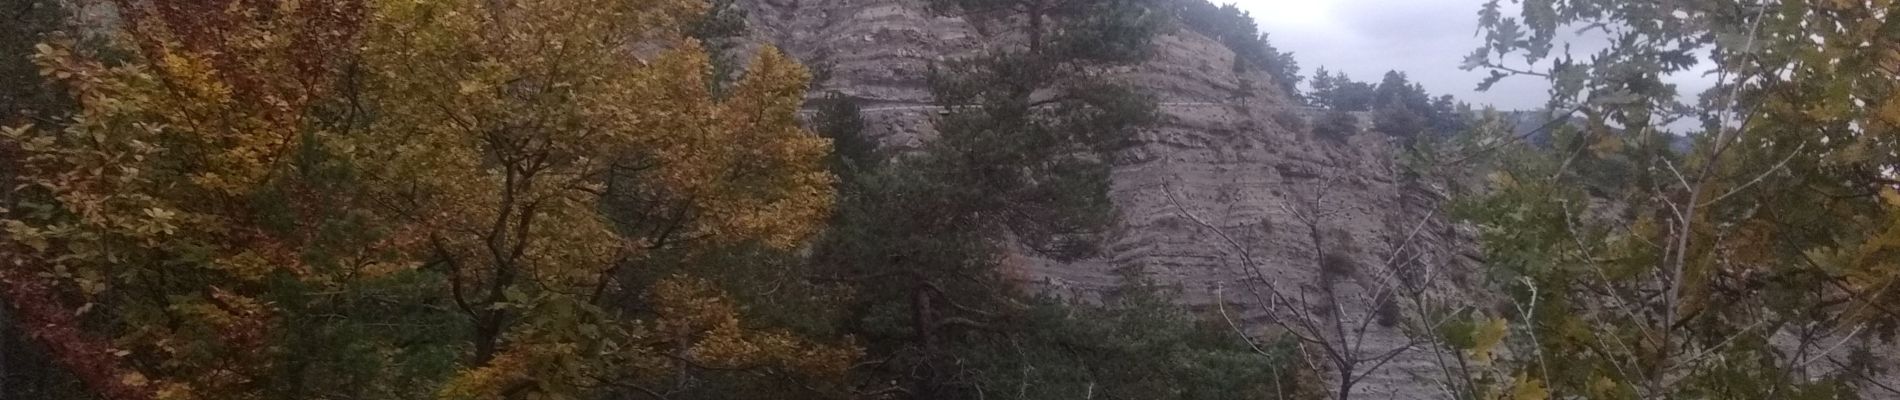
point(1339, 92)
point(1021, 157)
point(1236, 30)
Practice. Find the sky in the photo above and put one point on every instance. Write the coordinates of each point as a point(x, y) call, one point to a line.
point(1425, 39)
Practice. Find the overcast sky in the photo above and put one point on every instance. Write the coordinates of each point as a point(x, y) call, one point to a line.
point(1425, 39)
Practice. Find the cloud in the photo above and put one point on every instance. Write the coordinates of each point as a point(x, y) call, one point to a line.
point(1425, 39)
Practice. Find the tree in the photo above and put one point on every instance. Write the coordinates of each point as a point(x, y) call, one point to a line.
point(23, 94)
point(1341, 93)
point(721, 31)
point(1318, 318)
point(1236, 30)
point(1021, 158)
point(1137, 343)
point(135, 213)
point(1404, 110)
point(26, 369)
point(1750, 265)
point(1337, 126)
point(405, 199)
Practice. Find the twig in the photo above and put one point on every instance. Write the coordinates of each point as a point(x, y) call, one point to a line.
point(1758, 178)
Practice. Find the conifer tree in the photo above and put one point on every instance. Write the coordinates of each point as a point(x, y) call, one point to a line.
point(1021, 158)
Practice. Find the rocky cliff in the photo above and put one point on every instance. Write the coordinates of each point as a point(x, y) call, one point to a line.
point(1233, 178)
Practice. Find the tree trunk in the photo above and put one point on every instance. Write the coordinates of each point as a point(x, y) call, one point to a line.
point(923, 324)
point(487, 338)
point(6, 346)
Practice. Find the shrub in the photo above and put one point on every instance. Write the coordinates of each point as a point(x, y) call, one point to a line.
point(1337, 126)
point(1291, 120)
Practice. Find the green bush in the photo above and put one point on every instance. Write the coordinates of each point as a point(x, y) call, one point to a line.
point(1337, 126)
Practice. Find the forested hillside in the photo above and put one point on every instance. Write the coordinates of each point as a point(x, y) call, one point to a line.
point(937, 199)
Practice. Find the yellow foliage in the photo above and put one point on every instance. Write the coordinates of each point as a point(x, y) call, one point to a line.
point(1603, 387)
point(1606, 145)
point(147, 188)
point(692, 311)
point(697, 326)
point(1486, 339)
point(507, 370)
point(494, 134)
point(1502, 180)
point(502, 130)
point(1525, 387)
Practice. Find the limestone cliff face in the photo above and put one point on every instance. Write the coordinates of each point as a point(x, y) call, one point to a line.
point(1234, 159)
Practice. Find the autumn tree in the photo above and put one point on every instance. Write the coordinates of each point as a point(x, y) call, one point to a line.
point(403, 199)
point(1754, 262)
point(25, 369)
point(136, 213)
point(531, 260)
